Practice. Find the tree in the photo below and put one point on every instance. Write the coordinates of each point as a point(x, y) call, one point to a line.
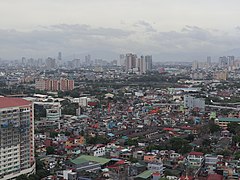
point(236, 139)
point(50, 150)
point(214, 128)
point(34, 177)
point(190, 137)
point(180, 145)
point(237, 155)
point(132, 142)
point(206, 142)
point(53, 134)
point(97, 140)
point(22, 177)
point(225, 152)
point(69, 108)
point(233, 127)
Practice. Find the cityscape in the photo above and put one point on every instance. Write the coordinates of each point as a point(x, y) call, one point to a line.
point(119, 90)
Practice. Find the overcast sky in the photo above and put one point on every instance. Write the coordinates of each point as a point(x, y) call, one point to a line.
point(167, 29)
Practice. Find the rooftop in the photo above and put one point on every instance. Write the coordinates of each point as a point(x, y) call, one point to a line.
point(86, 158)
point(196, 153)
point(6, 102)
point(144, 175)
point(229, 119)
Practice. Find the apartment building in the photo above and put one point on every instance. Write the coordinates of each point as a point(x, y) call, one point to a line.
point(16, 138)
point(54, 85)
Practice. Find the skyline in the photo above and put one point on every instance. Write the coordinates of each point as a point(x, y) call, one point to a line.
point(184, 31)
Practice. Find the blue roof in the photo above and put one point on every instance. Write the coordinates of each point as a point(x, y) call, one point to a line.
point(110, 134)
point(230, 119)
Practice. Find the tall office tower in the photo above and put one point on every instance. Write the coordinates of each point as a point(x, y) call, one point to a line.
point(59, 56)
point(130, 62)
point(209, 60)
point(142, 65)
point(24, 61)
point(195, 65)
point(121, 60)
point(17, 138)
point(231, 60)
point(148, 60)
point(87, 58)
point(223, 61)
point(50, 63)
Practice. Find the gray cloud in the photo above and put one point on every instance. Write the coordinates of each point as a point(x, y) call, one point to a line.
point(190, 43)
point(147, 26)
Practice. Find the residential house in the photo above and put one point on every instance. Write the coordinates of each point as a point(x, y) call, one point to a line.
point(195, 158)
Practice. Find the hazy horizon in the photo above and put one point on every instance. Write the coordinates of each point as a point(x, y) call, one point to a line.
point(173, 30)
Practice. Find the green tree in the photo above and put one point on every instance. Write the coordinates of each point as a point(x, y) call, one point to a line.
point(214, 128)
point(233, 127)
point(22, 177)
point(206, 142)
point(33, 177)
point(50, 150)
point(236, 139)
point(180, 145)
point(190, 137)
point(237, 155)
point(53, 134)
point(97, 140)
point(132, 142)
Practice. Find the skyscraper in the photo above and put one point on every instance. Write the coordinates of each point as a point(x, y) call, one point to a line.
point(121, 60)
point(131, 61)
point(17, 138)
point(209, 59)
point(59, 56)
point(148, 60)
point(142, 65)
point(50, 63)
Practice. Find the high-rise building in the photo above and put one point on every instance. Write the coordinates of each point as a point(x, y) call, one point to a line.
point(191, 103)
point(54, 85)
point(66, 84)
point(142, 65)
point(50, 63)
point(16, 138)
point(130, 62)
point(195, 65)
point(231, 60)
point(223, 61)
point(59, 56)
point(121, 60)
point(220, 75)
point(148, 60)
point(209, 61)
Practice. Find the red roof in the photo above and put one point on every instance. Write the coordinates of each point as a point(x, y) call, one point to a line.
point(167, 129)
point(186, 178)
point(214, 177)
point(6, 102)
point(196, 153)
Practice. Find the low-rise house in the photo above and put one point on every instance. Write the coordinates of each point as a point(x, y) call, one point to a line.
point(223, 122)
point(97, 150)
point(211, 159)
point(174, 155)
point(156, 167)
point(125, 154)
point(67, 174)
point(138, 155)
point(195, 158)
point(151, 157)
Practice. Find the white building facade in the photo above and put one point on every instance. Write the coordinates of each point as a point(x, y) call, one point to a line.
point(17, 138)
